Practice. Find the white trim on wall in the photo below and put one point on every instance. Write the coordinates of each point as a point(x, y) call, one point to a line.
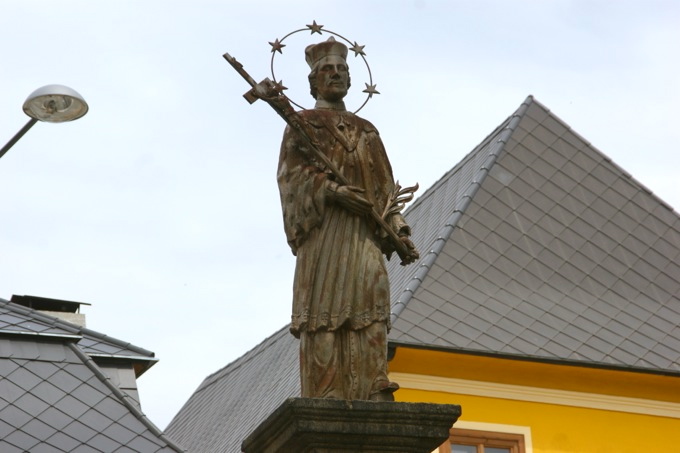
point(537, 395)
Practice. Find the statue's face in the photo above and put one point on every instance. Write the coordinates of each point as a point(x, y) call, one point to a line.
point(332, 78)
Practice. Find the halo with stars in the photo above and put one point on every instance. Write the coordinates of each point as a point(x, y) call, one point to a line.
point(277, 46)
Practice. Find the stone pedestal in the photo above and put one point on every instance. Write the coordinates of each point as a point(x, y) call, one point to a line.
point(310, 425)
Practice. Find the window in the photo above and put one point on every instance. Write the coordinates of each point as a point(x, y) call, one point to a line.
point(476, 441)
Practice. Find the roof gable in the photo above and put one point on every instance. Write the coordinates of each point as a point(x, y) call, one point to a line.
point(53, 397)
point(537, 245)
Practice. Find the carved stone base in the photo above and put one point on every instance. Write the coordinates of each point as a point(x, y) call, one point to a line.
point(311, 425)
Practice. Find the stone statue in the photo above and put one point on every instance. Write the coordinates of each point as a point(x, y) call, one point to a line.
point(341, 297)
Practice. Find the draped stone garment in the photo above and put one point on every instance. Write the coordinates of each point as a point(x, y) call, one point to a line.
point(340, 275)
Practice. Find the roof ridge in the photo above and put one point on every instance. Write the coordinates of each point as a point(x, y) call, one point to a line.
point(72, 328)
point(124, 399)
point(607, 158)
point(503, 133)
point(528, 101)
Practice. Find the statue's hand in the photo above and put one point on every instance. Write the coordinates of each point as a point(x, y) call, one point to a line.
point(350, 198)
point(413, 253)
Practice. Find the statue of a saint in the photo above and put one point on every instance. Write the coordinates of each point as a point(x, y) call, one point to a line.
point(341, 297)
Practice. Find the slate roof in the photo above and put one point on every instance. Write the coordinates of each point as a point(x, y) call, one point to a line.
point(537, 245)
point(232, 402)
point(20, 319)
point(54, 398)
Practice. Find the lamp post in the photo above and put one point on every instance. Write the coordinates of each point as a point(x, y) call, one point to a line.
point(51, 103)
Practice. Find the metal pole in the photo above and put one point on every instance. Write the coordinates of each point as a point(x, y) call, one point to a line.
point(18, 135)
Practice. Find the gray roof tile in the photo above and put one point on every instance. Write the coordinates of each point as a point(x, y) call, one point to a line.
point(577, 332)
point(498, 333)
point(421, 335)
point(21, 440)
point(434, 327)
point(656, 360)
point(445, 319)
point(557, 349)
point(70, 436)
point(489, 342)
point(447, 338)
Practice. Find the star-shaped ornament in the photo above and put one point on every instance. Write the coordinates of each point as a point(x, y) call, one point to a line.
point(278, 87)
point(277, 46)
point(316, 28)
point(370, 89)
point(357, 49)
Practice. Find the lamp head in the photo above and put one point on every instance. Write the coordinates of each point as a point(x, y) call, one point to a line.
point(55, 104)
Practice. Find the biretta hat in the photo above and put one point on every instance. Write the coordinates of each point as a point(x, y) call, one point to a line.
point(315, 52)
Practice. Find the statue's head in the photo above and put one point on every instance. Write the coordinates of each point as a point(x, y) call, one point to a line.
point(329, 77)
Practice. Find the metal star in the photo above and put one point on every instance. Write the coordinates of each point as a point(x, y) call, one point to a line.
point(370, 89)
point(277, 46)
point(315, 27)
point(278, 87)
point(357, 49)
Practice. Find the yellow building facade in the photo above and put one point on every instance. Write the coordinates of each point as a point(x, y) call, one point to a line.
point(556, 407)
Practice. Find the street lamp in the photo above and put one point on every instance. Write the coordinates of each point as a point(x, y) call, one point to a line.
point(51, 103)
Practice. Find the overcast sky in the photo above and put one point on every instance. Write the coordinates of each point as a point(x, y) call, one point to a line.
point(160, 206)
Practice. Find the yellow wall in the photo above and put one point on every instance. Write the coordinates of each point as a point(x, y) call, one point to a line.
point(568, 427)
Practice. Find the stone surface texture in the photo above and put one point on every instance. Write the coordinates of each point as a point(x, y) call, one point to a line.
point(315, 425)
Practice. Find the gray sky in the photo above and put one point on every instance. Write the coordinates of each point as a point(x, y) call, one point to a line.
point(160, 206)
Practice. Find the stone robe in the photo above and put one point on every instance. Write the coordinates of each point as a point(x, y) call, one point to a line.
point(341, 305)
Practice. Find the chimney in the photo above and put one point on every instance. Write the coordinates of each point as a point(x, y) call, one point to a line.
point(65, 310)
